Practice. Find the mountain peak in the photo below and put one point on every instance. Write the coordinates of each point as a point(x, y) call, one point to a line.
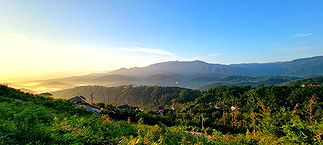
point(198, 61)
point(123, 68)
point(179, 62)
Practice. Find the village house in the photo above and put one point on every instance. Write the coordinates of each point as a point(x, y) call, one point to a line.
point(47, 94)
point(78, 99)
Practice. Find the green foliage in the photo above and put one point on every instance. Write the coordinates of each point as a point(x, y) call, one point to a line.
point(310, 80)
point(145, 96)
point(263, 115)
point(248, 81)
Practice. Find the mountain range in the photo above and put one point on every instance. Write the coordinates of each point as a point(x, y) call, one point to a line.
point(299, 67)
point(198, 74)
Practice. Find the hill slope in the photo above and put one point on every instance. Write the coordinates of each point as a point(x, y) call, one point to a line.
point(310, 80)
point(144, 95)
point(248, 81)
point(277, 114)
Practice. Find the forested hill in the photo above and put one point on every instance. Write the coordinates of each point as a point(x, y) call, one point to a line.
point(139, 95)
point(248, 81)
point(311, 80)
point(152, 96)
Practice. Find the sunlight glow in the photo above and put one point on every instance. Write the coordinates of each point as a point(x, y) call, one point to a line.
point(21, 56)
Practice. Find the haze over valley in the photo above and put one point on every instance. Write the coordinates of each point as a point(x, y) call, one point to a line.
point(186, 74)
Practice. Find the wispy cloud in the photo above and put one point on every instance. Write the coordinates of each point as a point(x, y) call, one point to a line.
point(303, 34)
point(130, 42)
point(206, 57)
point(149, 50)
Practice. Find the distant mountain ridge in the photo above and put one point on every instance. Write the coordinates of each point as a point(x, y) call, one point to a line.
point(198, 74)
point(298, 68)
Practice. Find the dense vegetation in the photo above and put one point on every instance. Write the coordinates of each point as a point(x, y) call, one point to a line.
point(309, 80)
point(247, 81)
point(261, 115)
point(147, 96)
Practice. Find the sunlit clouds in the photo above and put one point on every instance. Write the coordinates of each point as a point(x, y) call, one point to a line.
point(150, 51)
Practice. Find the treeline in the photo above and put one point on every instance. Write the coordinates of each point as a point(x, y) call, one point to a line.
point(248, 81)
point(262, 108)
point(144, 96)
point(267, 109)
point(310, 80)
point(153, 96)
point(271, 114)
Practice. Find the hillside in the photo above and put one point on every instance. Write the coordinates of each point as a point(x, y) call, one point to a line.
point(310, 80)
point(32, 119)
point(231, 115)
point(159, 95)
point(144, 95)
point(248, 81)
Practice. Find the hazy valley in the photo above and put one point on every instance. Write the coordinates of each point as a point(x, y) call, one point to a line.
point(187, 74)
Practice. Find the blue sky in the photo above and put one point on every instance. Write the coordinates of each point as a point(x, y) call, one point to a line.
point(128, 33)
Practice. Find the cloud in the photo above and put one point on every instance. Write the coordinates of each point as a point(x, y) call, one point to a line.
point(154, 51)
point(206, 57)
point(149, 50)
point(130, 42)
point(303, 34)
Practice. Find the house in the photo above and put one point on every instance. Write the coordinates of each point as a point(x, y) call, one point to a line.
point(47, 94)
point(93, 110)
point(78, 99)
point(233, 108)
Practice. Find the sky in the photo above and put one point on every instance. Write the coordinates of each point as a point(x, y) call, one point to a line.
point(41, 36)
